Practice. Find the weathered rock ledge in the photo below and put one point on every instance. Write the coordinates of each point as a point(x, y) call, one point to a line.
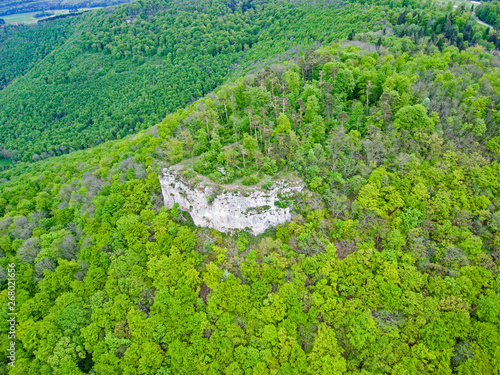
point(230, 208)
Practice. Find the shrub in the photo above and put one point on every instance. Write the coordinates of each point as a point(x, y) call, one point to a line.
point(250, 180)
point(268, 185)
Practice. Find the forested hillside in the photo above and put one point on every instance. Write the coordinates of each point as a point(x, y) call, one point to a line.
point(389, 266)
point(120, 70)
point(490, 13)
point(22, 47)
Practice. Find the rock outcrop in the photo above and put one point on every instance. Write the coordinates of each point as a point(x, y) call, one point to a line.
point(230, 208)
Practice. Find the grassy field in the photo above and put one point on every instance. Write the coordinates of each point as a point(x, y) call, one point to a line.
point(27, 18)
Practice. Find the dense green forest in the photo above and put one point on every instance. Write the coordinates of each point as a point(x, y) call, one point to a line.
point(490, 13)
point(22, 47)
point(390, 264)
point(119, 70)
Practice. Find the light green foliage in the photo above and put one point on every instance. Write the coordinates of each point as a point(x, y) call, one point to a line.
point(325, 357)
point(284, 125)
point(293, 80)
point(413, 118)
point(250, 144)
point(174, 150)
point(494, 145)
point(312, 108)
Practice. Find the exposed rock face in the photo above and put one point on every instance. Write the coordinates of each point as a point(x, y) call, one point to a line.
point(230, 210)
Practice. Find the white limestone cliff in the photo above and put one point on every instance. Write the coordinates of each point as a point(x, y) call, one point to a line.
point(235, 208)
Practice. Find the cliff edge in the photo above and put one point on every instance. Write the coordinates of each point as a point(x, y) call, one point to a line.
point(229, 208)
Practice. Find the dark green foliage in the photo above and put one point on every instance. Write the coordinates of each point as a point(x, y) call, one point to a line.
point(22, 47)
point(489, 12)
